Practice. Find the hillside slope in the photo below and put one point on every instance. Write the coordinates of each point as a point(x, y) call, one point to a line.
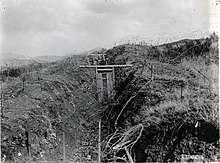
point(57, 94)
point(176, 103)
point(171, 99)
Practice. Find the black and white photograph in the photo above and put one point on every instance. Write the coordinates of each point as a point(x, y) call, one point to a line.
point(109, 81)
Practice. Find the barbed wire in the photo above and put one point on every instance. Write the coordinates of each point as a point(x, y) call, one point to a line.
point(165, 37)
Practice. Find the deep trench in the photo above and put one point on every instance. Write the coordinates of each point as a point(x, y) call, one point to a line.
point(206, 131)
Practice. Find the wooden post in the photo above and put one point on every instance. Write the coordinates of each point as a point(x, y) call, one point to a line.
point(113, 82)
point(28, 144)
point(64, 147)
point(2, 112)
point(181, 91)
point(199, 86)
point(187, 90)
point(151, 74)
point(23, 80)
point(8, 69)
point(1, 109)
point(99, 142)
point(99, 82)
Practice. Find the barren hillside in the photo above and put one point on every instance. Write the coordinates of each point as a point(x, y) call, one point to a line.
point(164, 106)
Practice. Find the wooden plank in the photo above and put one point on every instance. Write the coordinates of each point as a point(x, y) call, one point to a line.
point(99, 87)
point(110, 84)
point(104, 71)
point(100, 66)
point(113, 77)
point(99, 142)
point(64, 146)
point(105, 86)
point(110, 71)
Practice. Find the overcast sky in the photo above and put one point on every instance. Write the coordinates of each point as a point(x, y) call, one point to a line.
point(59, 27)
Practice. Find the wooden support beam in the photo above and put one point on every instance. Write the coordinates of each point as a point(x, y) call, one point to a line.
point(105, 78)
point(100, 66)
point(104, 70)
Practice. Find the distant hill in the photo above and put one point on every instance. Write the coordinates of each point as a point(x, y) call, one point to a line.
point(48, 58)
point(7, 56)
point(11, 59)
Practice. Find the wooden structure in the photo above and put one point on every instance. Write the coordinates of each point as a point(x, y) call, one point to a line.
point(105, 79)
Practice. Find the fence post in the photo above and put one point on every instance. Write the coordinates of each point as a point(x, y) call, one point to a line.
point(2, 112)
point(28, 144)
point(99, 142)
point(199, 86)
point(181, 90)
point(64, 147)
point(151, 74)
